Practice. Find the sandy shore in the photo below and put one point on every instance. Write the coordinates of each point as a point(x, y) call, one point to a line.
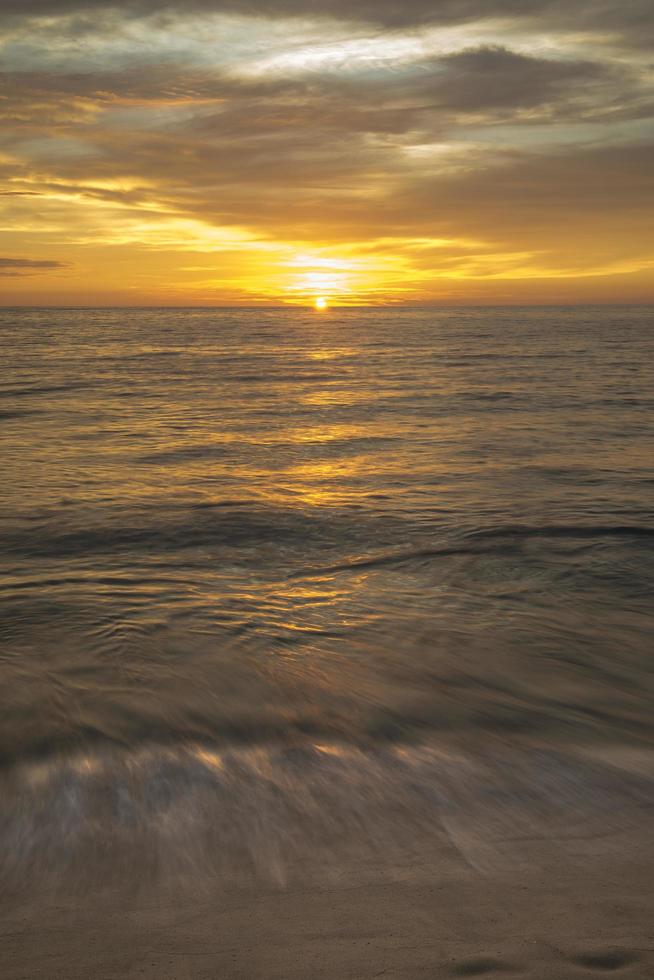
point(573, 908)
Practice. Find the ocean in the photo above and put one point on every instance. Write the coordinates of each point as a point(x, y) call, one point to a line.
point(282, 589)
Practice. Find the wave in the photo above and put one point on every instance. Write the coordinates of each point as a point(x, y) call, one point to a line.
point(205, 526)
point(393, 558)
point(509, 533)
point(233, 522)
point(285, 812)
point(43, 389)
point(188, 453)
point(6, 416)
point(564, 531)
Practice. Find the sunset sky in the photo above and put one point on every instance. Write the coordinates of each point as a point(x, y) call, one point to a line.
point(274, 151)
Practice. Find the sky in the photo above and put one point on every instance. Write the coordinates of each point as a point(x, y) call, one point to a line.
point(247, 152)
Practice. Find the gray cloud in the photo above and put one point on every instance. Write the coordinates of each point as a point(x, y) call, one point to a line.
point(21, 267)
point(494, 77)
point(631, 14)
point(488, 83)
point(630, 20)
point(6, 263)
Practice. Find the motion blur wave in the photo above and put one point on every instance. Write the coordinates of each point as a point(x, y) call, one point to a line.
point(273, 582)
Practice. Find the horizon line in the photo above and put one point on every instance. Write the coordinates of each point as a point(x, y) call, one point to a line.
point(310, 307)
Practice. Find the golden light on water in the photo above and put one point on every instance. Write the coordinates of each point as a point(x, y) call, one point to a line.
point(321, 304)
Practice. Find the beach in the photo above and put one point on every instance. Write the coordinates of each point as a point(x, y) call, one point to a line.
point(579, 909)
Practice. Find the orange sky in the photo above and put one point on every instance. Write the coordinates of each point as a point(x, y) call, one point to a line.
point(273, 151)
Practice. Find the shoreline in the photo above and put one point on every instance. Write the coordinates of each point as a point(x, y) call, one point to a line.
point(547, 887)
point(582, 909)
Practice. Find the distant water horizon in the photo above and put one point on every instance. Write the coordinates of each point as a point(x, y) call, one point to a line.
point(334, 305)
point(274, 577)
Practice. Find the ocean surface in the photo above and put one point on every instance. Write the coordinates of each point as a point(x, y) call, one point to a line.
point(280, 587)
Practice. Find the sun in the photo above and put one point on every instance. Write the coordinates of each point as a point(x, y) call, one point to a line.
point(321, 304)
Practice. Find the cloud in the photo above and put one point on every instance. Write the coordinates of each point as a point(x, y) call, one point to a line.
point(521, 140)
point(630, 16)
point(22, 267)
point(495, 77)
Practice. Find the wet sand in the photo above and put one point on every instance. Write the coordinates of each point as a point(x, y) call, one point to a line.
point(576, 908)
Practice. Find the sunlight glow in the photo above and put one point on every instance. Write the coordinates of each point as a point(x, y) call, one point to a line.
point(321, 304)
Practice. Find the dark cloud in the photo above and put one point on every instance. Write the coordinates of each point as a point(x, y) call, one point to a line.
point(494, 77)
point(6, 263)
point(599, 190)
point(22, 267)
point(380, 11)
point(630, 18)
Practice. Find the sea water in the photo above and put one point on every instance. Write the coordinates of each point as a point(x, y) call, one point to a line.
point(279, 586)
